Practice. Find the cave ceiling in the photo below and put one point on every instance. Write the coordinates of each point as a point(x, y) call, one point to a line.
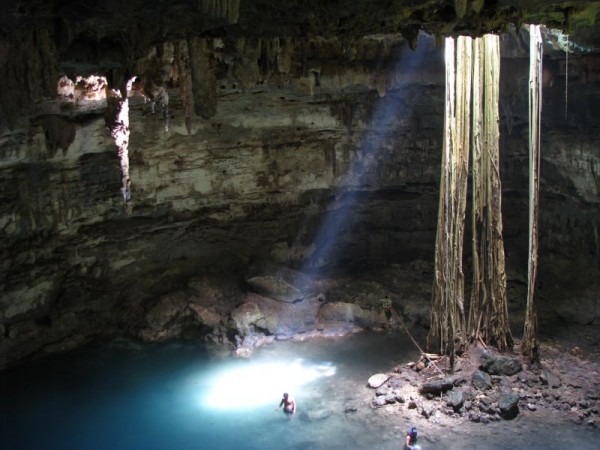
point(168, 19)
point(42, 40)
point(117, 31)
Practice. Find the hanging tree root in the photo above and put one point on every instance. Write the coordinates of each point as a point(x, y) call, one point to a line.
point(430, 357)
point(426, 355)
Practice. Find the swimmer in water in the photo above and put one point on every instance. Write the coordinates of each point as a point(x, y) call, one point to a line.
point(288, 403)
point(411, 439)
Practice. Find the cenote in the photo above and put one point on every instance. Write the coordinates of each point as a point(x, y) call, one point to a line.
point(181, 395)
point(205, 204)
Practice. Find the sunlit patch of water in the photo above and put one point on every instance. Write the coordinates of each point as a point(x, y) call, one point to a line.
point(250, 384)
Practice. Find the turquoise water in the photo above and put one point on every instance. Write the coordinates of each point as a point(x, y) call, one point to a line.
point(184, 396)
point(180, 396)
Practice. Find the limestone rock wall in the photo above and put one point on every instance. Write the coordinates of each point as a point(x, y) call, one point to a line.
point(290, 140)
point(318, 154)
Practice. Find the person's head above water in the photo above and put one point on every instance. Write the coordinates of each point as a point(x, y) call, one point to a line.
point(412, 434)
point(285, 395)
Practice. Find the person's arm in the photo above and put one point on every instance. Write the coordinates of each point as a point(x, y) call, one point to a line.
point(293, 405)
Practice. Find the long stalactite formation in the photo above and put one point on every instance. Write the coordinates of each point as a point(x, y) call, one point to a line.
point(530, 347)
point(185, 82)
point(117, 120)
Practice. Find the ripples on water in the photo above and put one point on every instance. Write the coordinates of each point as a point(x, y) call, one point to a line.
point(181, 396)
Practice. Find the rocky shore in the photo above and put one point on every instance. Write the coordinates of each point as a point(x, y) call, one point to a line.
point(489, 387)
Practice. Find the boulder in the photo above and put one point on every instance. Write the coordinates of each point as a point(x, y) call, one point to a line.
point(495, 364)
point(481, 380)
point(164, 319)
point(455, 399)
point(222, 293)
point(246, 316)
point(427, 411)
point(295, 318)
point(508, 406)
point(382, 390)
point(378, 402)
point(283, 320)
point(246, 345)
point(207, 316)
point(350, 313)
point(275, 287)
point(390, 398)
point(436, 387)
point(474, 417)
point(375, 381)
point(550, 378)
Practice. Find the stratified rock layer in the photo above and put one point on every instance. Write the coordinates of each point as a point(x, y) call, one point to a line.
point(316, 153)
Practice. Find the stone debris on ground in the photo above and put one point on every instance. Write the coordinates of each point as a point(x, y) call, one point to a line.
point(487, 386)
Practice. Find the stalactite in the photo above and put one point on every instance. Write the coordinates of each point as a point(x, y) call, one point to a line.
point(158, 70)
point(117, 120)
point(438, 41)
point(285, 55)
point(567, 79)
point(227, 9)
point(460, 7)
point(530, 347)
point(161, 96)
point(59, 133)
point(204, 77)
point(411, 34)
point(269, 52)
point(182, 62)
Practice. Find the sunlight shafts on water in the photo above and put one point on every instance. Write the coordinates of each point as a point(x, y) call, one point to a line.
point(254, 384)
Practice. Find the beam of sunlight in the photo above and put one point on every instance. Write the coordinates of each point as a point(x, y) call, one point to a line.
point(250, 384)
point(370, 158)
